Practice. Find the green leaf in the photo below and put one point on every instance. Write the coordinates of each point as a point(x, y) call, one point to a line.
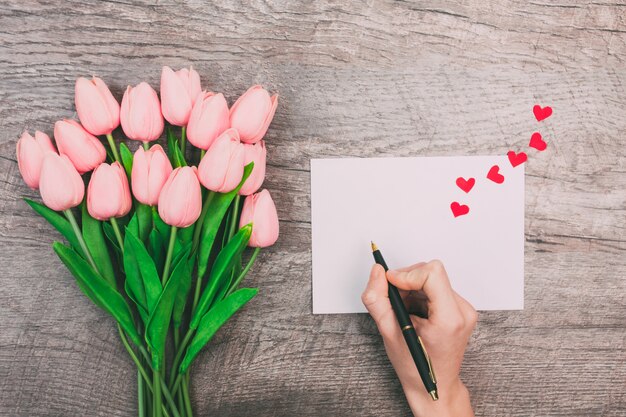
point(110, 234)
point(173, 150)
point(157, 249)
point(186, 234)
point(140, 307)
point(185, 283)
point(56, 220)
point(218, 205)
point(221, 271)
point(94, 238)
point(136, 256)
point(127, 158)
point(159, 323)
point(104, 295)
point(143, 213)
point(163, 228)
point(213, 320)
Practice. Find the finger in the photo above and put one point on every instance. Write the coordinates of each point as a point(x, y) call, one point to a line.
point(408, 268)
point(375, 297)
point(468, 311)
point(433, 280)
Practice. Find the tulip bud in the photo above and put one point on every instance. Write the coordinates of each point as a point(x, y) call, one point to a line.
point(254, 153)
point(209, 118)
point(259, 209)
point(97, 109)
point(108, 194)
point(221, 169)
point(179, 91)
point(252, 113)
point(30, 153)
point(151, 169)
point(83, 149)
point(60, 185)
point(141, 113)
point(180, 201)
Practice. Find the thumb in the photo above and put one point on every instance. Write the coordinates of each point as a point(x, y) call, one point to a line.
point(375, 297)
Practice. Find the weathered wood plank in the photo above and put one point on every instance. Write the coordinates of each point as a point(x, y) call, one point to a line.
point(363, 79)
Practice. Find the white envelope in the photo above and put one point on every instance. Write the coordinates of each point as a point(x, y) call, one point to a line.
point(403, 205)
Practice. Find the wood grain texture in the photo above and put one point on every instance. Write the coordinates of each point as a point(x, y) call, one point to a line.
point(389, 78)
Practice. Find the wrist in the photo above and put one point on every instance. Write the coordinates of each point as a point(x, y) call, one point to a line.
point(454, 401)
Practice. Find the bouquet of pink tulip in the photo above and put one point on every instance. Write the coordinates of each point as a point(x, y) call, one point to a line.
point(169, 261)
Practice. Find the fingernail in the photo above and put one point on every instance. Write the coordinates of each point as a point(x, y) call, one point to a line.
point(392, 272)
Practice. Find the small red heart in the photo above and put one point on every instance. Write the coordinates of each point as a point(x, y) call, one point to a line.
point(494, 175)
point(465, 185)
point(459, 209)
point(542, 113)
point(537, 142)
point(517, 159)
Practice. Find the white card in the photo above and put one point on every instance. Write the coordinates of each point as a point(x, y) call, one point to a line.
point(403, 205)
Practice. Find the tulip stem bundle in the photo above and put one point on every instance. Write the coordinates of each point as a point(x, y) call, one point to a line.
point(113, 146)
point(141, 233)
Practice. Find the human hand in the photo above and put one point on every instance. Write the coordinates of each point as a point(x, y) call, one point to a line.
point(445, 332)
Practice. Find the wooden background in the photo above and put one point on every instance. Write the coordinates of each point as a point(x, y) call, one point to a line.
point(371, 78)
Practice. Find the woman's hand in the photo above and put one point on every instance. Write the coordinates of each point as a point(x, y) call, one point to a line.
point(445, 332)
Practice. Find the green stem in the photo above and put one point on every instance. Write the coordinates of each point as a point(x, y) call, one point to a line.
point(158, 401)
point(144, 374)
point(187, 400)
point(168, 258)
point(183, 137)
point(70, 217)
point(179, 354)
point(202, 153)
point(118, 234)
point(176, 384)
point(140, 395)
point(241, 276)
point(146, 146)
point(169, 398)
point(113, 146)
point(234, 217)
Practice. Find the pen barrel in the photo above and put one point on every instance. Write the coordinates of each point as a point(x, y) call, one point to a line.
point(419, 357)
point(398, 307)
point(416, 348)
point(410, 336)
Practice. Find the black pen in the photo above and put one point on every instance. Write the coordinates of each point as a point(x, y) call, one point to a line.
point(416, 347)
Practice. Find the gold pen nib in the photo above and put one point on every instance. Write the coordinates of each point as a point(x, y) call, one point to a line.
point(374, 247)
point(433, 395)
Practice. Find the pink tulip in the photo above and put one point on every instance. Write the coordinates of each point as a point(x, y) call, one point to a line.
point(259, 209)
point(254, 153)
point(179, 91)
point(252, 113)
point(209, 118)
point(151, 169)
point(141, 113)
point(83, 149)
point(108, 194)
point(97, 109)
point(180, 201)
point(60, 185)
point(30, 152)
point(221, 169)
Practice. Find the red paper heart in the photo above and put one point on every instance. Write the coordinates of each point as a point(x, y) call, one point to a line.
point(465, 185)
point(542, 113)
point(494, 175)
point(517, 159)
point(459, 209)
point(537, 142)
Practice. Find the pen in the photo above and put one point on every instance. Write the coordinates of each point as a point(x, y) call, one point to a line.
point(416, 347)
